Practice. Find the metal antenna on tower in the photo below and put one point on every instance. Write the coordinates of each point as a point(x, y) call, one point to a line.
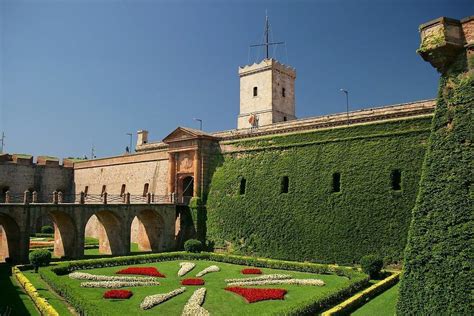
point(267, 43)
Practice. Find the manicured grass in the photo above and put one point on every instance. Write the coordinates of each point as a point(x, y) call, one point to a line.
point(382, 305)
point(56, 301)
point(218, 301)
point(12, 295)
point(95, 251)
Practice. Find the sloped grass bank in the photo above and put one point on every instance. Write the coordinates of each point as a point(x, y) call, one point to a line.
point(341, 282)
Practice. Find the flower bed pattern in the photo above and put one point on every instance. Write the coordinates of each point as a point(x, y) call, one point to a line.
point(118, 294)
point(153, 300)
point(95, 277)
point(208, 270)
point(185, 268)
point(117, 284)
point(314, 282)
point(192, 281)
point(251, 271)
point(253, 295)
point(261, 278)
point(193, 306)
point(150, 271)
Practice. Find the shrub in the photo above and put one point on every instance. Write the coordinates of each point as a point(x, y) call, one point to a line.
point(371, 265)
point(40, 258)
point(47, 229)
point(193, 245)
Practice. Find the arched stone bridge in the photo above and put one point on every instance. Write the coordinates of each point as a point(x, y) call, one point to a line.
point(156, 228)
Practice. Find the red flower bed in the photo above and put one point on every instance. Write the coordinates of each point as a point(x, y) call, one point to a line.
point(251, 271)
point(192, 281)
point(118, 294)
point(150, 271)
point(253, 295)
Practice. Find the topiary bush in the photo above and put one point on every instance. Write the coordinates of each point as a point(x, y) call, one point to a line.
point(372, 265)
point(193, 245)
point(47, 229)
point(40, 258)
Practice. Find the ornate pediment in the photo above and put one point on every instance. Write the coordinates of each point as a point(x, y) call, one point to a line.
point(185, 133)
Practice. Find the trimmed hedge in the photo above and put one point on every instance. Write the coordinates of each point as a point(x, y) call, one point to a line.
point(311, 222)
point(52, 276)
point(439, 259)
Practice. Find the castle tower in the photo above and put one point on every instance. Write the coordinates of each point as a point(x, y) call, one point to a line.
point(267, 94)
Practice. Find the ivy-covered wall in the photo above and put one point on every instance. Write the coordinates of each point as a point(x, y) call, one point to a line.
point(311, 222)
point(438, 277)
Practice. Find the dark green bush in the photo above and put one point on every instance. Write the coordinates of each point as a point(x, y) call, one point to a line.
point(40, 258)
point(193, 245)
point(47, 229)
point(372, 265)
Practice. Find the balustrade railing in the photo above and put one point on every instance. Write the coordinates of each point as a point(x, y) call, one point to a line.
point(60, 198)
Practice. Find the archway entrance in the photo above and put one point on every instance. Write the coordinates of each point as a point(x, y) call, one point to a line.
point(107, 228)
point(9, 239)
point(64, 235)
point(147, 231)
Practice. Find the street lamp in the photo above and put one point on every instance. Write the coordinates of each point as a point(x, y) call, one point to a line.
point(130, 148)
point(347, 103)
point(200, 122)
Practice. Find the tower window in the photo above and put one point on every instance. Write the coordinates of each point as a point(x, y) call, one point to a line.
point(243, 184)
point(285, 181)
point(285, 118)
point(86, 190)
point(255, 91)
point(122, 190)
point(283, 92)
point(336, 182)
point(104, 187)
point(145, 189)
point(396, 178)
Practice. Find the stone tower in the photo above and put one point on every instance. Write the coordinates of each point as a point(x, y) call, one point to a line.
point(267, 94)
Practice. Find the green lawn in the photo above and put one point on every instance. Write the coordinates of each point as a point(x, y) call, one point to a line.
point(382, 305)
point(12, 295)
point(218, 301)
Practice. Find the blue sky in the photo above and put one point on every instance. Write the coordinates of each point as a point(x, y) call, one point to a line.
point(79, 73)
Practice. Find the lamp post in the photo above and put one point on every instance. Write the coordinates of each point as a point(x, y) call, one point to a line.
point(347, 103)
point(130, 148)
point(200, 122)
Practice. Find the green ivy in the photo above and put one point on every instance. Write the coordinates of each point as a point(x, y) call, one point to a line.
point(310, 222)
point(439, 257)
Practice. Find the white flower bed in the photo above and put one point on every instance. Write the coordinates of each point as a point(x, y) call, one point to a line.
point(118, 284)
point(261, 278)
point(208, 270)
point(185, 268)
point(193, 306)
point(153, 300)
point(94, 277)
point(315, 282)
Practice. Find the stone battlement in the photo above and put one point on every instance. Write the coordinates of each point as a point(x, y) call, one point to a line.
point(267, 64)
point(28, 160)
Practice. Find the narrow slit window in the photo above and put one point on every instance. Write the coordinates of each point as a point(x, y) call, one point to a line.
point(285, 182)
point(336, 182)
point(86, 190)
point(145, 189)
point(255, 91)
point(122, 190)
point(396, 178)
point(243, 184)
point(283, 92)
point(104, 188)
point(285, 119)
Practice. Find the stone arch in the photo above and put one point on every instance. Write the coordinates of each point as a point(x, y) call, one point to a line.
point(65, 234)
point(10, 239)
point(109, 231)
point(147, 231)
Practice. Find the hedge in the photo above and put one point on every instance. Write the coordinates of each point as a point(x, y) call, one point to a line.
point(52, 276)
point(310, 222)
point(439, 256)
